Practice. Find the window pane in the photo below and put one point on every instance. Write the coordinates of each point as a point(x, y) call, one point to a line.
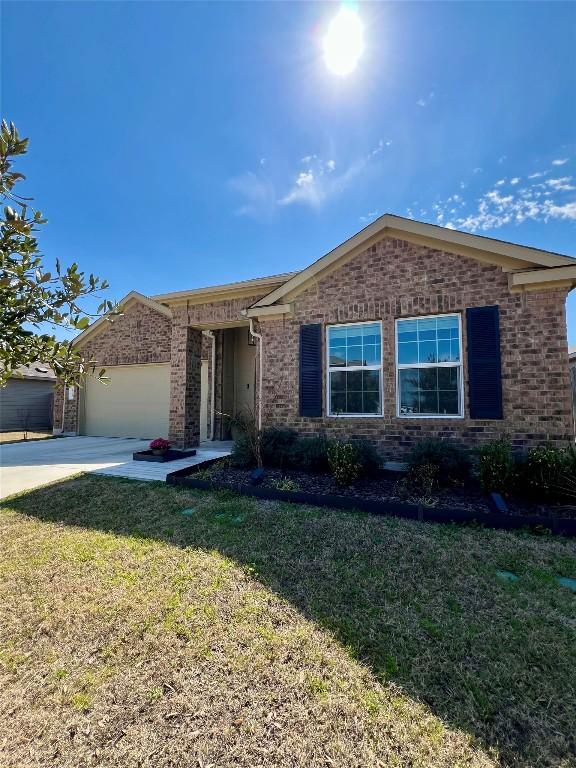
point(371, 402)
point(354, 402)
point(371, 381)
point(371, 329)
point(337, 356)
point(448, 378)
point(448, 402)
point(338, 381)
point(372, 354)
point(444, 351)
point(455, 346)
point(337, 335)
point(338, 403)
point(429, 378)
point(428, 401)
point(427, 352)
point(354, 356)
point(354, 381)
point(429, 391)
point(409, 382)
point(407, 353)
point(407, 330)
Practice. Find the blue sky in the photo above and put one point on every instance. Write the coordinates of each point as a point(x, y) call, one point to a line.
point(175, 145)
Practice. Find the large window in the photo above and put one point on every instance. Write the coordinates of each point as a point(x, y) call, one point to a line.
point(355, 369)
point(429, 366)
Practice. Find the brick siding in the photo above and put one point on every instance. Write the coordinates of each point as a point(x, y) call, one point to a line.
point(389, 280)
point(394, 279)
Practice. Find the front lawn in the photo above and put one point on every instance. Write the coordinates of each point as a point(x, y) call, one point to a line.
point(146, 625)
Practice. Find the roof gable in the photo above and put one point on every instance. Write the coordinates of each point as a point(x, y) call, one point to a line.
point(130, 298)
point(509, 256)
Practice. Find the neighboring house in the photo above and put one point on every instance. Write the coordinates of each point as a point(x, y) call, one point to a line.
point(26, 402)
point(406, 330)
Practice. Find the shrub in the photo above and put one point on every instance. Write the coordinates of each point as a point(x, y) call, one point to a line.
point(367, 456)
point(452, 462)
point(419, 484)
point(496, 467)
point(542, 470)
point(243, 453)
point(310, 453)
point(277, 445)
point(344, 460)
point(567, 479)
point(285, 484)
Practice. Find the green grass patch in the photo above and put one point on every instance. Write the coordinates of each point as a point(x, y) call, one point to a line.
point(251, 633)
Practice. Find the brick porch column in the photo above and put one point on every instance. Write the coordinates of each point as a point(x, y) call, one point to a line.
point(186, 350)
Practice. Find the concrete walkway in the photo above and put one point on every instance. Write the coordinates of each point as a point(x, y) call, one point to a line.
point(27, 465)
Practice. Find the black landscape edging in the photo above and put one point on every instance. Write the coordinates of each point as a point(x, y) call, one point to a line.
point(170, 455)
point(557, 525)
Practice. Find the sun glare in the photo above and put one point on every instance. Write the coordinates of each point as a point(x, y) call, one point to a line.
point(344, 42)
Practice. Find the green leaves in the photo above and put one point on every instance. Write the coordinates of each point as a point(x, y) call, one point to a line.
point(30, 296)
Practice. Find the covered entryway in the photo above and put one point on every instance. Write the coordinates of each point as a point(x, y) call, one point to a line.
point(135, 402)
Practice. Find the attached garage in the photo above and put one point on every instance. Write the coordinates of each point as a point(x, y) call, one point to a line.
point(134, 403)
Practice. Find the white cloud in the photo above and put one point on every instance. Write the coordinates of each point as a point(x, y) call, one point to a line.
point(477, 170)
point(560, 161)
point(424, 102)
point(536, 200)
point(561, 184)
point(538, 174)
point(331, 165)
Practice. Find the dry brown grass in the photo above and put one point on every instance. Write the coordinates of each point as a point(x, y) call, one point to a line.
point(18, 436)
point(257, 634)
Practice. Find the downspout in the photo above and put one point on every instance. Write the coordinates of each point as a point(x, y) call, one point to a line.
point(211, 336)
point(260, 370)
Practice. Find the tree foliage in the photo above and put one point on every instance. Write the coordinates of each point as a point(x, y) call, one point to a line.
point(31, 298)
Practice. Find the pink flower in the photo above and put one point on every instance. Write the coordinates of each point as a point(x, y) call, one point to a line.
point(159, 444)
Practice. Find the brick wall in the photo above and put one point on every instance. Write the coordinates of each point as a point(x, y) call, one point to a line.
point(140, 335)
point(395, 279)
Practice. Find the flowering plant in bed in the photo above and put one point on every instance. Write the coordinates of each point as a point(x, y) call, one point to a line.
point(159, 446)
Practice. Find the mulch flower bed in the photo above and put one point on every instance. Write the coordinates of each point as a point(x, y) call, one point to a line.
point(385, 486)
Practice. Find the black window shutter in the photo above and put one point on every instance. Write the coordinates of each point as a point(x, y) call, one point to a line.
point(311, 370)
point(484, 370)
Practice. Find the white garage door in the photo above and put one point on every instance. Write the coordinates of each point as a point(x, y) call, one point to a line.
point(135, 403)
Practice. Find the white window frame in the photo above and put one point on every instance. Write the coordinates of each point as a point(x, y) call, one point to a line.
point(330, 368)
point(403, 366)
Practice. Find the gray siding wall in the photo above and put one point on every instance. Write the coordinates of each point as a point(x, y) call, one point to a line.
point(26, 403)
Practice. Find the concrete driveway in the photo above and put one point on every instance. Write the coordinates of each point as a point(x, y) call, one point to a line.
point(27, 465)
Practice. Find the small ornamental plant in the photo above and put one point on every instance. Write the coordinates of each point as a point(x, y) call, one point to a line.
point(159, 445)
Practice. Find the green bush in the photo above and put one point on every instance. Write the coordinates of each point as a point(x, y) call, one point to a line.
point(496, 466)
point(277, 445)
point(419, 484)
point(368, 456)
point(242, 453)
point(310, 454)
point(543, 469)
point(344, 460)
point(452, 462)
